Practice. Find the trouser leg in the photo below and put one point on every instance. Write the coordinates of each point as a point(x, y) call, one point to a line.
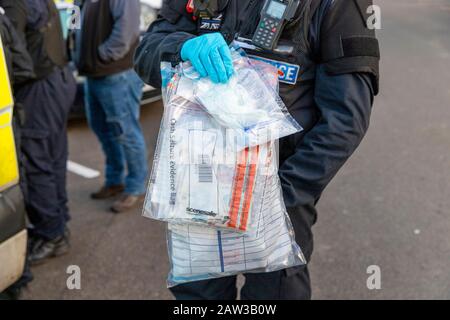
point(105, 132)
point(60, 167)
point(303, 219)
point(46, 103)
point(214, 289)
point(42, 194)
point(134, 141)
point(288, 284)
point(119, 98)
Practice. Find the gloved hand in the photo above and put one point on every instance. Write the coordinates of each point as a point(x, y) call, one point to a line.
point(210, 56)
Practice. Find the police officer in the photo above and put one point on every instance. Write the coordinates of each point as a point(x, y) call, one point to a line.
point(46, 101)
point(328, 60)
point(20, 69)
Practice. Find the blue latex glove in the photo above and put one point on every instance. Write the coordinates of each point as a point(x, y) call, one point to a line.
point(210, 56)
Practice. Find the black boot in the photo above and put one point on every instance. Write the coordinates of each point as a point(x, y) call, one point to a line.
point(42, 250)
point(12, 293)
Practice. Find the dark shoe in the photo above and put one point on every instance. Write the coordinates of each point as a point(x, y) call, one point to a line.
point(108, 192)
point(11, 294)
point(42, 250)
point(126, 203)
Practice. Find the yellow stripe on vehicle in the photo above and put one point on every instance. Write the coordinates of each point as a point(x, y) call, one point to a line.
point(9, 172)
point(6, 98)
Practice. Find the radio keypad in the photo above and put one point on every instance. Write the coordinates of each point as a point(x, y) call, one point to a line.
point(266, 32)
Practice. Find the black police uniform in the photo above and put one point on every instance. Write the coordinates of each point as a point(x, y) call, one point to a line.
point(330, 81)
point(12, 207)
point(46, 101)
point(20, 65)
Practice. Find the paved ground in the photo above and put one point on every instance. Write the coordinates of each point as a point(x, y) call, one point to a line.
point(387, 207)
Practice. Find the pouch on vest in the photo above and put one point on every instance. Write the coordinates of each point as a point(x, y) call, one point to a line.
point(54, 44)
point(172, 10)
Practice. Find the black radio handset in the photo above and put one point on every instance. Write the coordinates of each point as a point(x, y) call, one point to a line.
point(274, 16)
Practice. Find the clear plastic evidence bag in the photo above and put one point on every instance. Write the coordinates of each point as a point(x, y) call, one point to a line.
point(215, 177)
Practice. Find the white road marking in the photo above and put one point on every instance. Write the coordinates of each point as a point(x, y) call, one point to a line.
point(82, 171)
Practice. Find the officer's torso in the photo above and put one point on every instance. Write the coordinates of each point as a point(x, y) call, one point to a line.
point(296, 69)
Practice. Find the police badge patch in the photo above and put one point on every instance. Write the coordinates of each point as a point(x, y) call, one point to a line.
point(207, 24)
point(287, 73)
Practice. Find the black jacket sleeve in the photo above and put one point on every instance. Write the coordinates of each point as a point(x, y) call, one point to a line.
point(163, 41)
point(20, 64)
point(348, 44)
point(344, 89)
point(7, 42)
point(16, 11)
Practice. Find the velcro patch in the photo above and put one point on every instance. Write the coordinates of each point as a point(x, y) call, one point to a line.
point(360, 46)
